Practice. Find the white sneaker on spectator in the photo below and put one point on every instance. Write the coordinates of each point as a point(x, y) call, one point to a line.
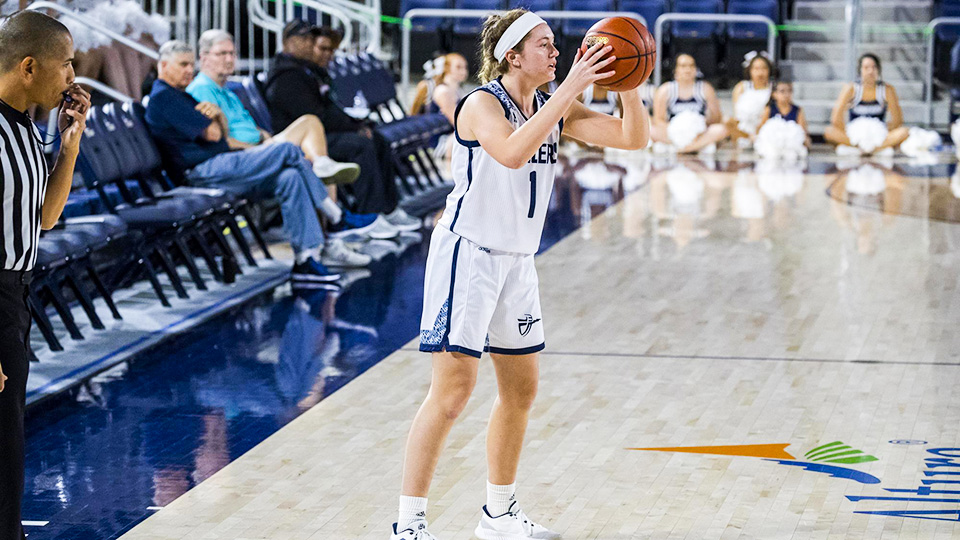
point(336, 253)
point(416, 531)
point(403, 221)
point(514, 525)
point(383, 230)
point(844, 150)
point(334, 172)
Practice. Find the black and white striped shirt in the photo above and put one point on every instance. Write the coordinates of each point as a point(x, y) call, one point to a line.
point(23, 182)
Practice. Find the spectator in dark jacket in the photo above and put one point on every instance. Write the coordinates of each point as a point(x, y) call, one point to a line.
point(297, 85)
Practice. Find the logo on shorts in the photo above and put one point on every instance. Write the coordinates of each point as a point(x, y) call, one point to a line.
point(526, 323)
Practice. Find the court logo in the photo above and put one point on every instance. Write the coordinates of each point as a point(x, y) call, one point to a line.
point(941, 468)
point(526, 323)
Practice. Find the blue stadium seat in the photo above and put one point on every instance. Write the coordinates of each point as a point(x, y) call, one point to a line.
point(248, 90)
point(575, 28)
point(426, 24)
point(649, 9)
point(691, 29)
point(472, 26)
point(948, 32)
point(769, 8)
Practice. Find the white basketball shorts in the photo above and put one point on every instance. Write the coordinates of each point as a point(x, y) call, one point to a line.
point(479, 300)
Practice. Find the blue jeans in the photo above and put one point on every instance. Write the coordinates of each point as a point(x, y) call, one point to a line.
point(272, 170)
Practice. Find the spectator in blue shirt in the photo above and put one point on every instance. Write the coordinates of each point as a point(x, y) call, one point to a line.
point(218, 59)
point(192, 137)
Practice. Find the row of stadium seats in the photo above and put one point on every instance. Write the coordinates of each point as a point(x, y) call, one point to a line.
point(133, 220)
point(708, 41)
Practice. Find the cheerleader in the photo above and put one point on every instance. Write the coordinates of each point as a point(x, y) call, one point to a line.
point(750, 98)
point(866, 103)
point(686, 112)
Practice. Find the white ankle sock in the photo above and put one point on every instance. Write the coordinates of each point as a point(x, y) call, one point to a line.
point(412, 509)
point(331, 210)
point(499, 498)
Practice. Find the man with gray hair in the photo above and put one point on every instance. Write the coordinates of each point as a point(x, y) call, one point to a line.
point(218, 61)
point(192, 137)
point(36, 68)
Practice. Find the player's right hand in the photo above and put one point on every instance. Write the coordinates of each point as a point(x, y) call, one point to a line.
point(588, 67)
point(3, 379)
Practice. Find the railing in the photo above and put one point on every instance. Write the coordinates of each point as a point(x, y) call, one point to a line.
point(931, 36)
point(112, 34)
point(482, 13)
point(709, 17)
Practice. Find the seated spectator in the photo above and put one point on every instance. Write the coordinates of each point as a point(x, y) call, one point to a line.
point(193, 139)
point(868, 99)
point(686, 112)
point(298, 84)
point(218, 60)
point(750, 99)
point(439, 92)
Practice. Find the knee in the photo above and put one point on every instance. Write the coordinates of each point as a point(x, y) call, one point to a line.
point(453, 398)
point(311, 121)
point(520, 395)
point(287, 150)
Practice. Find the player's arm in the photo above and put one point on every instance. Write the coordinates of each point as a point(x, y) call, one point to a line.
point(896, 113)
point(840, 106)
point(660, 106)
point(481, 117)
point(446, 100)
point(802, 120)
point(629, 133)
point(764, 116)
point(714, 116)
point(737, 92)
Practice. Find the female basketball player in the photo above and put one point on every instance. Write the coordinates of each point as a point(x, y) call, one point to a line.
point(481, 291)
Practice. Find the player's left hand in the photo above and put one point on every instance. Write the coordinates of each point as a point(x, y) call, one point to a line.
point(73, 116)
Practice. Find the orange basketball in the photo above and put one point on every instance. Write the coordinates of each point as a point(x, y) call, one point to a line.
point(634, 47)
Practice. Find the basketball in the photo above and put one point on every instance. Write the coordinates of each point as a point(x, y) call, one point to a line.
point(634, 47)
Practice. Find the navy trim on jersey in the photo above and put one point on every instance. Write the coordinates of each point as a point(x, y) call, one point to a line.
point(793, 114)
point(456, 115)
point(469, 183)
point(515, 352)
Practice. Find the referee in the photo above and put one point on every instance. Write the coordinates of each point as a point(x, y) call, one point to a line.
point(36, 54)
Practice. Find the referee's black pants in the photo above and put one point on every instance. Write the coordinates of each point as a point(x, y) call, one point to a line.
point(375, 189)
point(15, 362)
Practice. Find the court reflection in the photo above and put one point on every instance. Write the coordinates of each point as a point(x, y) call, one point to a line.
point(887, 190)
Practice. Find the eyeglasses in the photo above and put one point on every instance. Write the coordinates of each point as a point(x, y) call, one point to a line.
point(223, 53)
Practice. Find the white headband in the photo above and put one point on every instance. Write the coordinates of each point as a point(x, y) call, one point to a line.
point(515, 32)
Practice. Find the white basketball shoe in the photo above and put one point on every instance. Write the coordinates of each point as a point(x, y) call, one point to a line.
point(415, 531)
point(514, 525)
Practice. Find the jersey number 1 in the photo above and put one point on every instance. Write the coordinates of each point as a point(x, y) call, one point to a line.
point(533, 193)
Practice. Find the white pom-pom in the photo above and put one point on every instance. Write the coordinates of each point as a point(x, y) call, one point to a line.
point(866, 180)
point(920, 141)
point(955, 184)
point(686, 189)
point(955, 133)
point(685, 127)
point(749, 108)
point(778, 180)
point(596, 175)
point(866, 133)
point(747, 200)
point(84, 37)
point(781, 138)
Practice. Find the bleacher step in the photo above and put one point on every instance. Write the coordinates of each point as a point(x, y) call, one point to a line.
point(800, 71)
point(906, 90)
point(914, 112)
point(888, 52)
point(879, 11)
point(821, 31)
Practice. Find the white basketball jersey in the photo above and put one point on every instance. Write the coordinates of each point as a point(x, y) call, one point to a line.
point(492, 205)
